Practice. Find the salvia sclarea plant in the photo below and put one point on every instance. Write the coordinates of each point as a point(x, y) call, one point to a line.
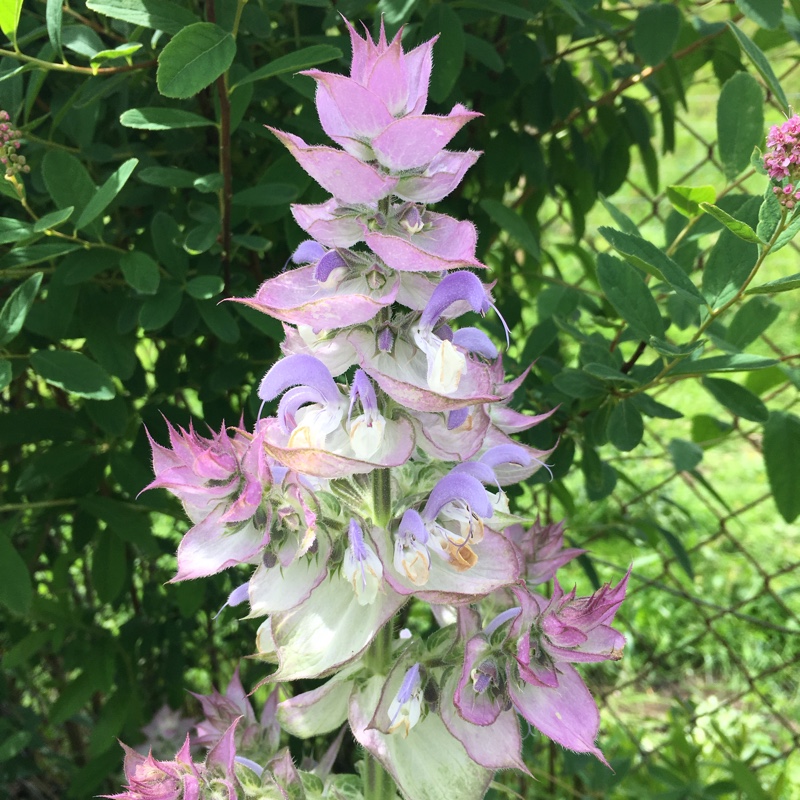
point(381, 478)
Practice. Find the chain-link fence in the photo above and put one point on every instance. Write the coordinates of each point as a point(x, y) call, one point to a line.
point(706, 700)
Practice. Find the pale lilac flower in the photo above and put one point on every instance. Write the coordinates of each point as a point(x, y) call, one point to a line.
point(361, 566)
point(406, 707)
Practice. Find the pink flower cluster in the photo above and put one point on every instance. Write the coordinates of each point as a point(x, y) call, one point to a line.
point(9, 145)
point(782, 161)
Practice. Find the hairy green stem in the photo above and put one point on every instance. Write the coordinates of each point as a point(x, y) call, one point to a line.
point(382, 497)
point(378, 783)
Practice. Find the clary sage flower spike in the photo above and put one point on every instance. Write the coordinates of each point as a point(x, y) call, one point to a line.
point(379, 474)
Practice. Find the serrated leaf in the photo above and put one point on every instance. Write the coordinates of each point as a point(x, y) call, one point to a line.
point(53, 219)
point(648, 257)
point(513, 224)
point(686, 199)
point(140, 272)
point(16, 588)
point(160, 15)
point(194, 58)
point(625, 426)
point(293, 62)
point(655, 32)
point(627, 292)
point(106, 193)
point(735, 226)
point(741, 402)
point(73, 372)
point(777, 286)
point(740, 122)
point(686, 456)
point(17, 306)
point(781, 445)
point(150, 118)
point(762, 64)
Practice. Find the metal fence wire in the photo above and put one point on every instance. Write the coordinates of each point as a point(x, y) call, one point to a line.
point(705, 702)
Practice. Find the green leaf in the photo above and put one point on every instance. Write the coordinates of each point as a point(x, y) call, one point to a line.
point(600, 478)
point(735, 226)
point(12, 230)
point(150, 118)
point(788, 234)
point(766, 13)
point(443, 21)
point(763, 66)
point(769, 216)
point(751, 320)
point(606, 373)
point(686, 199)
point(53, 14)
point(168, 177)
point(6, 374)
point(14, 744)
point(652, 408)
point(786, 284)
point(483, 52)
point(195, 57)
point(121, 51)
point(204, 287)
point(513, 224)
point(106, 193)
point(128, 521)
point(740, 122)
point(219, 320)
point(655, 32)
point(741, 402)
point(67, 180)
point(670, 350)
point(53, 219)
point(627, 292)
point(36, 253)
point(9, 17)
point(16, 307)
point(678, 550)
point(648, 257)
point(574, 383)
point(745, 779)
point(686, 456)
point(157, 311)
point(26, 648)
point(623, 221)
point(160, 15)
point(739, 362)
point(781, 445)
point(140, 272)
point(109, 567)
point(625, 426)
point(73, 372)
point(74, 696)
point(729, 264)
point(267, 194)
point(293, 62)
point(16, 589)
